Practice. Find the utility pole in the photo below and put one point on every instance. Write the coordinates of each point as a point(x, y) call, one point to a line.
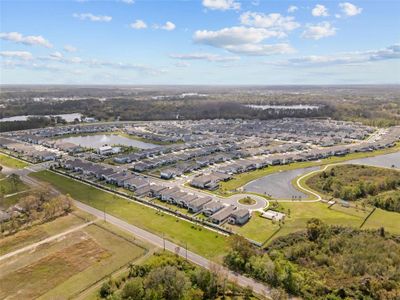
point(186, 250)
point(163, 240)
point(104, 212)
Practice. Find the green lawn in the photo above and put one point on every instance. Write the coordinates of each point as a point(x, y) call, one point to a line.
point(257, 229)
point(244, 178)
point(8, 187)
point(11, 162)
point(205, 242)
point(382, 218)
point(301, 212)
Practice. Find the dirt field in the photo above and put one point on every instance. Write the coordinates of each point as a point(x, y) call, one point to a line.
point(63, 267)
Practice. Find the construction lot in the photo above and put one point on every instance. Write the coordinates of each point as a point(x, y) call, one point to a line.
point(63, 258)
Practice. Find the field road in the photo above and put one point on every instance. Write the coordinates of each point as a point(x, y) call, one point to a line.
point(156, 240)
point(47, 240)
point(162, 243)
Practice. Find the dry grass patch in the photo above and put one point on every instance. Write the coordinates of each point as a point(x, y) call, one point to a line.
point(35, 279)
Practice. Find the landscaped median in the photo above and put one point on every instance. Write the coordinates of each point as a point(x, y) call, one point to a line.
point(200, 240)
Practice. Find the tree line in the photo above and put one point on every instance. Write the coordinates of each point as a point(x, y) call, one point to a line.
point(324, 262)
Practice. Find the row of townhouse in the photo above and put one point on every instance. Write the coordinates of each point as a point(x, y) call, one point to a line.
point(27, 150)
point(209, 181)
point(212, 182)
point(215, 211)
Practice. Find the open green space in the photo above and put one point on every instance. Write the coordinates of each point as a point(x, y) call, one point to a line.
point(301, 212)
point(257, 228)
point(9, 185)
point(386, 219)
point(198, 239)
point(11, 162)
point(239, 180)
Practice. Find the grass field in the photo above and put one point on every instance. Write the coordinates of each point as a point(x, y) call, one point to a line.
point(244, 178)
point(257, 229)
point(39, 232)
point(11, 162)
point(6, 202)
point(301, 212)
point(61, 268)
point(202, 241)
point(8, 187)
point(382, 218)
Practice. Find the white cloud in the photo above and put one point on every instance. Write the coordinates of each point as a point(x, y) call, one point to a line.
point(138, 24)
point(32, 40)
point(346, 58)
point(92, 17)
point(56, 55)
point(182, 64)
point(320, 11)
point(221, 4)
point(272, 21)
point(70, 48)
point(169, 26)
point(261, 49)
point(234, 36)
point(128, 1)
point(204, 56)
point(24, 55)
point(319, 31)
point(242, 40)
point(350, 9)
point(292, 9)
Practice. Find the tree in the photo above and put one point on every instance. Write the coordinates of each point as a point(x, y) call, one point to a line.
point(133, 289)
point(106, 289)
point(315, 228)
point(171, 282)
point(14, 181)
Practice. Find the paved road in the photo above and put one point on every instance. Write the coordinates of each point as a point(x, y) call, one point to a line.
point(160, 242)
point(260, 204)
point(154, 239)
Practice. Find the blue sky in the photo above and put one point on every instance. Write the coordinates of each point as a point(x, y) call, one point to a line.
point(199, 42)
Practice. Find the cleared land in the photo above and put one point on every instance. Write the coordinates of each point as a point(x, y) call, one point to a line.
point(200, 240)
point(11, 162)
point(40, 232)
point(61, 268)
